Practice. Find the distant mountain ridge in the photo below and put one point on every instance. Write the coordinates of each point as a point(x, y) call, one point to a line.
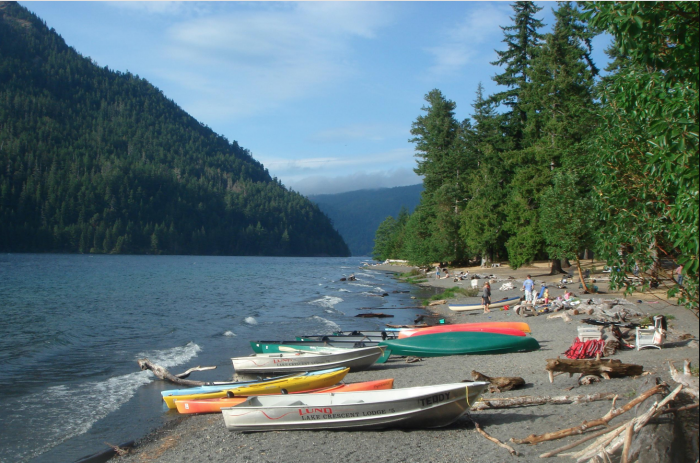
point(357, 214)
point(93, 160)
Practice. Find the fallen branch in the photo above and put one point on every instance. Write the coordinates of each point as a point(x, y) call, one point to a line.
point(614, 412)
point(494, 440)
point(563, 315)
point(524, 401)
point(637, 423)
point(580, 441)
point(164, 374)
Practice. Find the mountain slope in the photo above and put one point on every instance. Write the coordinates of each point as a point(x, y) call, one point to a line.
point(357, 214)
point(93, 160)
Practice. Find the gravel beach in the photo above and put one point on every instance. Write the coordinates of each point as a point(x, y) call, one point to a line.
point(205, 438)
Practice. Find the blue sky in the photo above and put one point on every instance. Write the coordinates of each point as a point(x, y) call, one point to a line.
point(322, 93)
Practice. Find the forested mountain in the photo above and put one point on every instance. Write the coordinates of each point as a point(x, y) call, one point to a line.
point(357, 214)
point(93, 160)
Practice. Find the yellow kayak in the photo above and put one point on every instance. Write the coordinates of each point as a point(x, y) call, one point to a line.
point(297, 383)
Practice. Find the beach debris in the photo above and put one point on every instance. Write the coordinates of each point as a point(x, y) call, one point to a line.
point(413, 359)
point(563, 315)
point(483, 433)
point(373, 315)
point(606, 368)
point(620, 439)
point(440, 302)
point(506, 286)
point(164, 374)
point(587, 425)
point(526, 401)
point(119, 451)
point(499, 383)
point(588, 379)
point(591, 348)
point(686, 378)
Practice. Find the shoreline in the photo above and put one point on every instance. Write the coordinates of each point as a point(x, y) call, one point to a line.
point(205, 438)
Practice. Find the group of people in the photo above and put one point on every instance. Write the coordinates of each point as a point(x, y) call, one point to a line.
point(528, 287)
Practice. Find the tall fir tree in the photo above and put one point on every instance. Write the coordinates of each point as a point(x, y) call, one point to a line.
point(523, 40)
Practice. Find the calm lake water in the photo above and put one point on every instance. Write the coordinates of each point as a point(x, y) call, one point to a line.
point(73, 327)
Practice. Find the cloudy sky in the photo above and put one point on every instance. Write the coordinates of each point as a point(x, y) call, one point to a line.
point(322, 93)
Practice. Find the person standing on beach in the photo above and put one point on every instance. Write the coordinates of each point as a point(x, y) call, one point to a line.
point(528, 285)
point(679, 275)
point(486, 297)
point(437, 272)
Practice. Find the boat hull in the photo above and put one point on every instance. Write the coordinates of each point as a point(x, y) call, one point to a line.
point(296, 383)
point(511, 328)
point(215, 405)
point(355, 359)
point(417, 407)
point(493, 305)
point(460, 343)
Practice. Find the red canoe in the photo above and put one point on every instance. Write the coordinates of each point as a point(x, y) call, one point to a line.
point(511, 328)
point(215, 405)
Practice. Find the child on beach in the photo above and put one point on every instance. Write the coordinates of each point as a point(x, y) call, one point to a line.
point(486, 297)
point(546, 296)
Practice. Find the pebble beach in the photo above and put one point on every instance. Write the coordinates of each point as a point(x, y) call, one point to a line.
point(205, 438)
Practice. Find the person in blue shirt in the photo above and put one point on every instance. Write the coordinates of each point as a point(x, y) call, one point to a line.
point(528, 285)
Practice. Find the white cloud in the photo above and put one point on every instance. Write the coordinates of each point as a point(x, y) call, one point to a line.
point(365, 132)
point(256, 58)
point(467, 41)
point(362, 180)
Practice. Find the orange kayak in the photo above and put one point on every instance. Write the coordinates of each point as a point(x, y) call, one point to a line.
point(511, 328)
point(215, 405)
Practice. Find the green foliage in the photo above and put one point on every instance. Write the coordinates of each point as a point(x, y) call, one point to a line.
point(647, 141)
point(99, 161)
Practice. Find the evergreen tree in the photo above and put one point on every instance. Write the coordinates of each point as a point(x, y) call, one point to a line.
point(522, 40)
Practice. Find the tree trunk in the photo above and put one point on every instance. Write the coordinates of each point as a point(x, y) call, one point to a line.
point(565, 262)
point(580, 274)
point(556, 267)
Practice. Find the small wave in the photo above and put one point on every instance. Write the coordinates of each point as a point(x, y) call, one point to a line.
point(76, 408)
point(327, 301)
point(332, 326)
point(361, 284)
point(343, 290)
point(251, 321)
point(230, 334)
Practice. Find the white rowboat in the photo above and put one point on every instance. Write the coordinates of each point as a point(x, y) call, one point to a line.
point(413, 407)
point(355, 359)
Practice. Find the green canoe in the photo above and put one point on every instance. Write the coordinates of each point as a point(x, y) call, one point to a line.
point(458, 343)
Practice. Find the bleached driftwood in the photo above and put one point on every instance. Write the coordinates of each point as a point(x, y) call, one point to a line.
point(164, 374)
point(525, 401)
point(686, 378)
point(494, 440)
point(563, 315)
point(586, 425)
point(440, 302)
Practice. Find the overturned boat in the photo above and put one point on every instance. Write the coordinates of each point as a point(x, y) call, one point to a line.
point(414, 407)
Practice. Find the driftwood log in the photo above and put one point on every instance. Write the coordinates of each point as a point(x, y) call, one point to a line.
point(686, 378)
point(499, 383)
point(164, 374)
point(373, 315)
point(587, 425)
point(525, 401)
point(606, 368)
point(654, 442)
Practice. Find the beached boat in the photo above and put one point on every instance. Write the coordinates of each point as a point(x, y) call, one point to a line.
point(355, 359)
point(349, 337)
point(480, 306)
point(215, 405)
point(304, 381)
point(259, 346)
point(414, 407)
point(512, 328)
point(458, 343)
